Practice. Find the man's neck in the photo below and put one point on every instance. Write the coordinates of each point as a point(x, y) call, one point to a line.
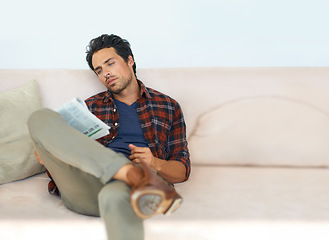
point(130, 94)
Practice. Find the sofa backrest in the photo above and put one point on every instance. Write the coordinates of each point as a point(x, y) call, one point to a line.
point(227, 107)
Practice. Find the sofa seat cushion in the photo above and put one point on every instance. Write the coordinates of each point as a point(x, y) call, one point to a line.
point(219, 203)
point(234, 203)
point(255, 194)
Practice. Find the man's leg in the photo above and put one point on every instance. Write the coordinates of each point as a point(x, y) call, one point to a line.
point(51, 132)
point(120, 220)
point(60, 145)
point(79, 165)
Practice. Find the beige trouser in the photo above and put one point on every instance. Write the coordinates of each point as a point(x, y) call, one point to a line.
point(82, 170)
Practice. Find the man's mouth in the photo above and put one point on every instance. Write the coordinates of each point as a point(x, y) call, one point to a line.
point(110, 80)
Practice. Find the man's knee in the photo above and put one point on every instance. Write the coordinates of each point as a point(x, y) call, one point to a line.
point(41, 115)
point(39, 120)
point(33, 122)
point(36, 118)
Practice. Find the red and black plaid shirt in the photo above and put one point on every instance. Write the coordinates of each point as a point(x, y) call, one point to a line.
point(161, 120)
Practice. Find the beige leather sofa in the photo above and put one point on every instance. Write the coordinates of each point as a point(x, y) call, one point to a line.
point(259, 143)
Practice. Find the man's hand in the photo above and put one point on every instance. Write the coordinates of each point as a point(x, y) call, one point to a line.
point(38, 158)
point(173, 171)
point(144, 154)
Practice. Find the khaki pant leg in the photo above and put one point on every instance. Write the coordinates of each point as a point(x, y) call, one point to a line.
point(80, 166)
point(121, 221)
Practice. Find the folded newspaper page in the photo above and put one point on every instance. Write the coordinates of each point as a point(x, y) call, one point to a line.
point(77, 114)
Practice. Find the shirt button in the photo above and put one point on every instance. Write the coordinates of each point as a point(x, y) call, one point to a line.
point(114, 110)
point(116, 124)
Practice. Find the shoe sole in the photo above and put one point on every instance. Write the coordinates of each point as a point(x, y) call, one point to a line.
point(151, 202)
point(173, 207)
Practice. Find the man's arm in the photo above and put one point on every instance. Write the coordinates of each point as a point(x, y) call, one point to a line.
point(176, 168)
point(173, 171)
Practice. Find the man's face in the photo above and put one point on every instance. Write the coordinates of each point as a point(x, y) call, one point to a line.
point(112, 70)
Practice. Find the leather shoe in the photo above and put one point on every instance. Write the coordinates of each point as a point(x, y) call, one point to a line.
point(151, 194)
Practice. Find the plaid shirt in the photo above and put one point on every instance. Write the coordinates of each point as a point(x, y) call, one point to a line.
point(161, 120)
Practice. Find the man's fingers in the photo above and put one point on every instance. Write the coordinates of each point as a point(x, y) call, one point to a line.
point(137, 160)
point(132, 146)
point(135, 156)
point(136, 149)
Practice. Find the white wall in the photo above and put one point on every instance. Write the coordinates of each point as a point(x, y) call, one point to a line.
point(168, 33)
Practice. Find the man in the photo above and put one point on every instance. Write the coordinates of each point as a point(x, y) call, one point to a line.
point(129, 176)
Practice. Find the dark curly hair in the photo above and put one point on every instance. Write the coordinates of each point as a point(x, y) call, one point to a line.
point(121, 46)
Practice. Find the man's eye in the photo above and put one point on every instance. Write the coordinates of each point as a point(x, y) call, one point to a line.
point(99, 71)
point(110, 63)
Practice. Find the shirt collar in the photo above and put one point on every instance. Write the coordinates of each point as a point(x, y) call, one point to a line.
point(144, 90)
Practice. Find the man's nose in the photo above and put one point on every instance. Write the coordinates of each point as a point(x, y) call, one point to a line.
point(107, 74)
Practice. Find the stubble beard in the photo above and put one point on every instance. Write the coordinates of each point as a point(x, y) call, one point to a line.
point(120, 85)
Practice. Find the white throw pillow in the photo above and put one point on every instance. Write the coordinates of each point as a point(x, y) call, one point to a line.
point(17, 160)
point(265, 131)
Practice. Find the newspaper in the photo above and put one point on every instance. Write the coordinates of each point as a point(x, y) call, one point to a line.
point(77, 114)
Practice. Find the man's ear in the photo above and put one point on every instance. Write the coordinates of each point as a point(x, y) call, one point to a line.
point(131, 61)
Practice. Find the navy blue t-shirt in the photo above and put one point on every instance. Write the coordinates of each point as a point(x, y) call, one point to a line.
point(130, 131)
